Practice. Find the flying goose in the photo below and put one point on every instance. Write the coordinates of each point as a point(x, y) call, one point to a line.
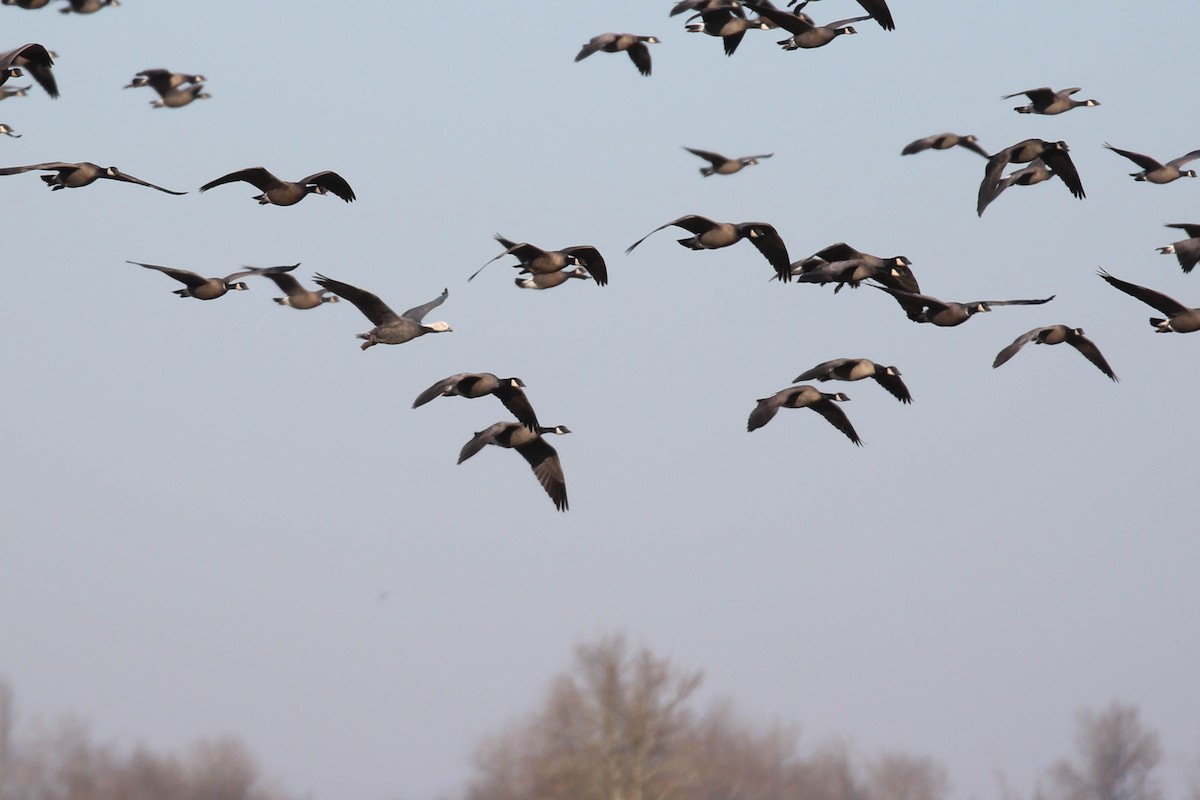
point(1180, 318)
point(1153, 171)
point(805, 396)
point(537, 261)
point(632, 44)
point(178, 98)
point(712, 235)
point(1055, 155)
point(842, 264)
point(1057, 334)
point(478, 384)
point(75, 175)
point(286, 193)
point(203, 288)
point(542, 457)
point(722, 165)
point(7, 131)
point(1045, 100)
point(160, 80)
point(876, 8)
point(923, 308)
point(855, 369)
point(296, 296)
point(27, 3)
point(728, 22)
point(548, 280)
point(33, 57)
point(702, 5)
point(1187, 251)
point(944, 141)
point(16, 91)
point(87, 6)
point(390, 328)
point(805, 34)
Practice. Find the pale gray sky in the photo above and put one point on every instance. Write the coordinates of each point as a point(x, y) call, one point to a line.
point(206, 501)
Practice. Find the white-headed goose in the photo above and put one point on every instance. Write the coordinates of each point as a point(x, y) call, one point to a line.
point(390, 327)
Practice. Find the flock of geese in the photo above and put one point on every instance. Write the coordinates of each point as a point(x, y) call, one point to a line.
point(838, 264)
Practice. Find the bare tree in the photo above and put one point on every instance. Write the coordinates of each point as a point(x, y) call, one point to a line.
point(896, 776)
point(1116, 759)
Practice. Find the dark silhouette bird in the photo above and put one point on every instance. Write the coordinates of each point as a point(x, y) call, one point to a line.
point(390, 327)
point(722, 165)
point(72, 175)
point(87, 6)
point(876, 8)
point(944, 314)
point(702, 5)
point(32, 4)
point(805, 396)
point(1186, 251)
point(509, 391)
point(533, 447)
point(856, 369)
point(33, 57)
point(630, 43)
point(160, 80)
point(712, 235)
point(1055, 155)
point(844, 265)
point(536, 261)
point(944, 141)
point(203, 288)
point(1057, 334)
point(1153, 171)
point(1045, 100)
point(805, 34)
point(1179, 319)
point(286, 193)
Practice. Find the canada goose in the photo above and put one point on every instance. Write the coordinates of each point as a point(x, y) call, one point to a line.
point(75, 175)
point(923, 308)
point(722, 165)
point(631, 43)
point(548, 280)
point(16, 91)
point(1155, 172)
point(1057, 334)
point(203, 288)
point(944, 141)
point(296, 295)
point(479, 384)
point(533, 448)
point(1055, 155)
point(727, 22)
point(842, 264)
point(87, 6)
point(162, 79)
point(33, 57)
point(537, 261)
point(713, 235)
point(390, 328)
point(1036, 172)
point(1186, 251)
point(178, 98)
point(855, 369)
point(805, 34)
point(27, 3)
point(1180, 318)
point(1045, 100)
point(286, 193)
point(7, 131)
point(805, 396)
point(876, 8)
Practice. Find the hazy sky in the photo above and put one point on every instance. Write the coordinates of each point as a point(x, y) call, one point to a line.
point(223, 517)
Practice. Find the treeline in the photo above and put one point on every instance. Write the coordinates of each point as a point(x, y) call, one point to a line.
point(62, 761)
point(620, 724)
